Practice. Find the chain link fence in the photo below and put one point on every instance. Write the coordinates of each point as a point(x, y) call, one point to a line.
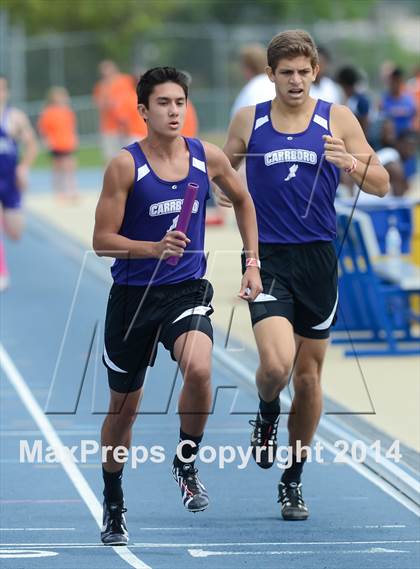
point(209, 53)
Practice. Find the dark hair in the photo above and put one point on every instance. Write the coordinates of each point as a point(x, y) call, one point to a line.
point(290, 44)
point(397, 73)
point(408, 134)
point(157, 76)
point(324, 52)
point(348, 76)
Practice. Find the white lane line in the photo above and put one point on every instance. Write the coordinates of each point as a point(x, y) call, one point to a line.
point(246, 377)
point(71, 469)
point(157, 545)
point(389, 465)
point(186, 529)
point(389, 526)
point(372, 477)
point(89, 431)
point(37, 529)
point(370, 551)
point(67, 432)
point(29, 501)
point(24, 553)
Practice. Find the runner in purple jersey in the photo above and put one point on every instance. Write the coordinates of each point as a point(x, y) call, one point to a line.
point(152, 301)
point(295, 147)
point(15, 129)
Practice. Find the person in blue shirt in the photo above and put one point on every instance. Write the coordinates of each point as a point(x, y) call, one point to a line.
point(349, 78)
point(397, 103)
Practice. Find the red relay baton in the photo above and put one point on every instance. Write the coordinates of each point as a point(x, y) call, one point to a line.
point(185, 215)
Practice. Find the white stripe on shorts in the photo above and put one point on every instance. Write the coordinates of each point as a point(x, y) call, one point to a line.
point(327, 323)
point(202, 310)
point(111, 364)
point(262, 297)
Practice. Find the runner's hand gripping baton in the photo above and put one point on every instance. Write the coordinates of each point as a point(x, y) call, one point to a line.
point(185, 215)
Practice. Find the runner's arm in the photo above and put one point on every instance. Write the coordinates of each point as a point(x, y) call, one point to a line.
point(238, 136)
point(222, 173)
point(236, 144)
point(26, 135)
point(348, 143)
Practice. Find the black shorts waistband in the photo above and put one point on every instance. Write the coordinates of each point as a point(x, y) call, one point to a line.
point(309, 245)
point(158, 288)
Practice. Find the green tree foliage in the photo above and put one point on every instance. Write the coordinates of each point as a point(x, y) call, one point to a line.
point(271, 11)
point(131, 16)
point(120, 16)
point(119, 21)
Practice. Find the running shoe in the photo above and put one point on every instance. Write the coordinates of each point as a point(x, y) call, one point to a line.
point(194, 494)
point(264, 441)
point(114, 528)
point(290, 497)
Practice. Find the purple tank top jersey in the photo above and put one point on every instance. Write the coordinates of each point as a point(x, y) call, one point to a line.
point(291, 183)
point(8, 157)
point(152, 209)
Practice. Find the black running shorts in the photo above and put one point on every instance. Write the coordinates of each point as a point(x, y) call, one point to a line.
point(137, 319)
point(300, 284)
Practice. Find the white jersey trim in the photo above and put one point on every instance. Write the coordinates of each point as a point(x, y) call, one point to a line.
point(321, 121)
point(327, 323)
point(142, 171)
point(199, 164)
point(260, 121)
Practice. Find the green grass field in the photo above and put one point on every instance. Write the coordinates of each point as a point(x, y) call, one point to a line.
point(91, 156)
point(88, 157)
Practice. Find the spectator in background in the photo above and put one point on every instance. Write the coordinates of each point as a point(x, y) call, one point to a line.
point(259, 88)
point(397, 103)
point(413, 85)
point(109, 94)
point(191, 126)
point(58, 129)
point(396, 156)
point(15, 129)
point(349, 79)
point(130, 124)
point(407, 145)
point(324, 87)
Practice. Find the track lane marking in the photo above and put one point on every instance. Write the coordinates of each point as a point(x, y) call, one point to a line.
point(152, 545)
point(71, 469)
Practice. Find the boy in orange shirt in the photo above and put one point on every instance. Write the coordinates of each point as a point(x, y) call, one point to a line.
point(110, 94)
point(57, 126)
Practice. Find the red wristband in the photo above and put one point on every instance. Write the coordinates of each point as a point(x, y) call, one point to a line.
point(252, 262)
point(352, 167)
